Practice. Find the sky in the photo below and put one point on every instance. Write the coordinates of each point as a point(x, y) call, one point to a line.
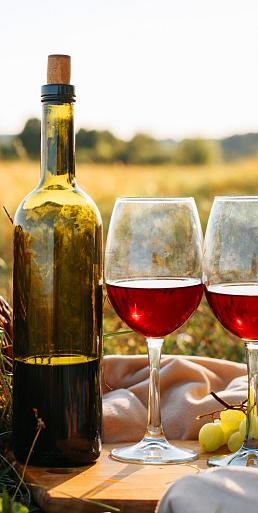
point(170, 68)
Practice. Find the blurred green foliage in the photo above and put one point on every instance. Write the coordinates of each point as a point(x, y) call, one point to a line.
point(101, 146)
point(30, 137)
point(198, 151)
point(104, 147)
point(12, 149)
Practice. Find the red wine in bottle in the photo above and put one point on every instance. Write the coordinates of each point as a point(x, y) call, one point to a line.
point(236, 307)
point(155, 307)
point(57, 298)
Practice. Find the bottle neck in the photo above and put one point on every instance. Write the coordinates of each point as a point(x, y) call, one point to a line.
point(57, 145)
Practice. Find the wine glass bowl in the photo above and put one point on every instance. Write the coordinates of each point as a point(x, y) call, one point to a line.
point(155, 307)
point(231, 286)
point(153, 279)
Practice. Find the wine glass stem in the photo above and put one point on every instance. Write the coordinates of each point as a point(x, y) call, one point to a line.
point(154, 426)
point(251, 440)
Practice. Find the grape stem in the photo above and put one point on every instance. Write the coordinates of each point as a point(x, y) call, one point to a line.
point(239, 406)
point(8, 215)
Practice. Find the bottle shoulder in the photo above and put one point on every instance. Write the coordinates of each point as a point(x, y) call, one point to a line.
point(55, 204)
point(88, 200)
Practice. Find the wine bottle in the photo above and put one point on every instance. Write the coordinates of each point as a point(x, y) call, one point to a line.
point(57, 298)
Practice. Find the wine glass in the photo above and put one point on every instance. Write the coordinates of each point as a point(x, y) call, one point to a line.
point(231, 287)
point(153, 279)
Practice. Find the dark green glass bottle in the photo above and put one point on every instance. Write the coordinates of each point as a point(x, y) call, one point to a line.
point(57, 303)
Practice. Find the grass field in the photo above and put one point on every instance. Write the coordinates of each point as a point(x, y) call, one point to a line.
point(202, 334)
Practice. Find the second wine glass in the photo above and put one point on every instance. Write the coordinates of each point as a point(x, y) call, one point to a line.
point(153, 278)
point(231, 286)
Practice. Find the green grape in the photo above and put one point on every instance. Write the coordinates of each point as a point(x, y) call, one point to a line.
point(217, 422)
point(231, 419)
point(227, 432)
point(253, 428)
point(211, 436)
point(235, 441)
point(242, 428)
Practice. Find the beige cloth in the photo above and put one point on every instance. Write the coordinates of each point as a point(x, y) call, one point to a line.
point(186, 382)
point(220, 490)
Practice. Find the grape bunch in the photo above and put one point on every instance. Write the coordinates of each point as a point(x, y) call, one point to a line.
point(229, 429)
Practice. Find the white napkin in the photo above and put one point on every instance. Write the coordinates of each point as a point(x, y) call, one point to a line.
point(219, 490)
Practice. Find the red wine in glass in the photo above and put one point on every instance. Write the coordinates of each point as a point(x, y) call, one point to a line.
point(236, 307)
point(155, 307)
point(153, 275)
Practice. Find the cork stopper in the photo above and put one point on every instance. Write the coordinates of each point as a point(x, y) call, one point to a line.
point(59, 69)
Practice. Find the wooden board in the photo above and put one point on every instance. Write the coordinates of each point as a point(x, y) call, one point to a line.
point(130, 487)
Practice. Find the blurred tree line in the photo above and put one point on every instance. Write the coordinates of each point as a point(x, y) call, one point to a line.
point(104, 147)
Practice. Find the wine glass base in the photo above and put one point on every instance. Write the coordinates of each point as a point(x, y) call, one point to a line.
point(244, 457)
point(153, 452)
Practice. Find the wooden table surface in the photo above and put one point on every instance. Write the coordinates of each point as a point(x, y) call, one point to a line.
point(130, 487)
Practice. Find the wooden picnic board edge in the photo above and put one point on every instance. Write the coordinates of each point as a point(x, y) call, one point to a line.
point(51, 504)
point(69, 504)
